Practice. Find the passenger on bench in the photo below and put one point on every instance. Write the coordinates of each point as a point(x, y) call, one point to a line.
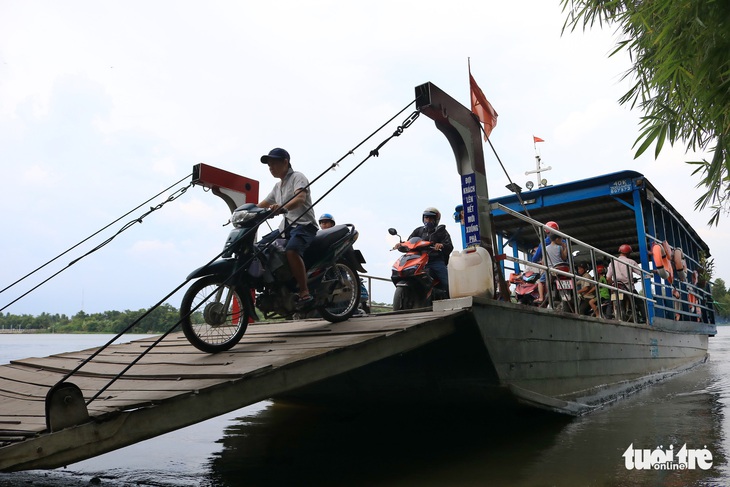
point(586, 291)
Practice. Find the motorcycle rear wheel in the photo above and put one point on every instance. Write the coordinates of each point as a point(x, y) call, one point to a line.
point(346, 293)
point(206, 324)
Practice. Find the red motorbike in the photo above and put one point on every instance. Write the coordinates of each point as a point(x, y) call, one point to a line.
point(526, 283)
point(415, 287)
point(563, 289)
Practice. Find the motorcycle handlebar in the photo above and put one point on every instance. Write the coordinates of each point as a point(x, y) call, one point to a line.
point(402, 248)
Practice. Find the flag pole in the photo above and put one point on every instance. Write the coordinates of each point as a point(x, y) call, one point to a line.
point(539, 170)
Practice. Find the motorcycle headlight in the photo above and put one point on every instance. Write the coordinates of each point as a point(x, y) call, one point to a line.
point(410, 270)
point(239, 218)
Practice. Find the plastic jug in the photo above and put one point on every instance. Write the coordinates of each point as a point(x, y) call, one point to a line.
point(470, 273)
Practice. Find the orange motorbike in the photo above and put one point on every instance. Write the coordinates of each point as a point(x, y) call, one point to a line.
point(415, 287)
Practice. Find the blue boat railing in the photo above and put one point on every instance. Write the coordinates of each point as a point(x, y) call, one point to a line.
point(680, 301)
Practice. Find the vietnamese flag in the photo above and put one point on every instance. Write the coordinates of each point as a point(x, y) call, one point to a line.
point(481, 107)
point(537, 139)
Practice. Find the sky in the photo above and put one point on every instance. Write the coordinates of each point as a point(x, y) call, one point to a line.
point(105, 104)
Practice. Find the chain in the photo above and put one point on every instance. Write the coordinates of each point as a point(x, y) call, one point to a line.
point(170, 198)
point(406, 123)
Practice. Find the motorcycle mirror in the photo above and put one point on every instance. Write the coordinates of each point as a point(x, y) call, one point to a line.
point(393, 231)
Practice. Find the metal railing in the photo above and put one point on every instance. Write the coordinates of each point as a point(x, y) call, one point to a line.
point(618, 294)
point(369, 287)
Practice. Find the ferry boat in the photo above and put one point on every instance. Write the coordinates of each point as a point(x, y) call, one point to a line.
point(561, 360)
point(553, 357)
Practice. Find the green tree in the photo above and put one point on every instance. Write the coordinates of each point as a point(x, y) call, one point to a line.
point(680, 51)
point(719, 290)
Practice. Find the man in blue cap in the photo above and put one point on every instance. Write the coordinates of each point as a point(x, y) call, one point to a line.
point(291, 196)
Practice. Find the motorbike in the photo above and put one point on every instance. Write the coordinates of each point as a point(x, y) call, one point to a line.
point(364, 298)
point(563, 289)
point(414, 285)
point(629, 308)
point(221, 302)
point(526, 283)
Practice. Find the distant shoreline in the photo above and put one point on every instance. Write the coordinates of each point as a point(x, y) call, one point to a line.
point(19, 332)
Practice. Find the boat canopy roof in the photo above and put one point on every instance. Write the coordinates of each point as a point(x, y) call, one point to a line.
point(604, 212)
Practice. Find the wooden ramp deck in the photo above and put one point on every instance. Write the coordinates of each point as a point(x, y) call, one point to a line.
point(175, 385)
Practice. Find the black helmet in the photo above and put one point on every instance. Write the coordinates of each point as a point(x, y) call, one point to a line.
point(432, 212)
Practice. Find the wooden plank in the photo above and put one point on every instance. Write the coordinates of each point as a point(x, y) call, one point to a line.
point(160, 371)
point(45, 380)
point(175, 385)
point(316, 341)
point(199, 365)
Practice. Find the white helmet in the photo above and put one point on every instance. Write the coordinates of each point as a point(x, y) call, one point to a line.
point(432, 212)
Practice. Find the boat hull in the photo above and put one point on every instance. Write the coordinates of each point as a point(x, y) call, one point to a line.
point(574, 364)
point(505, 355)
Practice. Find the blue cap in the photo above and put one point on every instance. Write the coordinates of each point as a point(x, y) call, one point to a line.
point(277, 153)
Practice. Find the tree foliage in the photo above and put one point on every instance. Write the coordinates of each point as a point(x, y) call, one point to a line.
point(680, 50)
point(159, 320)
point(721, 296)
point(719, 290)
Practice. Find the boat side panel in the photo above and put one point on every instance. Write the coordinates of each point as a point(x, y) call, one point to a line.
point(569, 357)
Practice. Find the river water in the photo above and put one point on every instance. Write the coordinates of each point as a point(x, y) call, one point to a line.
point(273, 444)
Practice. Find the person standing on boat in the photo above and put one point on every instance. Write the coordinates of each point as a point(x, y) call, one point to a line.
point(618, 272)
point(557, 251)
point(621, 275)
point(439, 237)
point(555, 254)
point(291, 196)
point(537, 258)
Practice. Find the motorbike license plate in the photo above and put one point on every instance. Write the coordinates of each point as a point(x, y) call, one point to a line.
point(564, 284)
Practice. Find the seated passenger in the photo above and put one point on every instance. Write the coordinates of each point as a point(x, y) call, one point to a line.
point(586, 291)
point(604, 293)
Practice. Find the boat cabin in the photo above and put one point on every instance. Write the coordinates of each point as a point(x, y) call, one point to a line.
point(598, 215)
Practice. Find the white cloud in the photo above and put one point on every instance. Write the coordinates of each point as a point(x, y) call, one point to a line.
point(36, 176)
point(578, 125)
point(107, 103)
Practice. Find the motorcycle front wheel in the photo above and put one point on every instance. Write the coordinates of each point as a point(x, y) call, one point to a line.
point(345, 295)
point(214, 315)
point(403, 298)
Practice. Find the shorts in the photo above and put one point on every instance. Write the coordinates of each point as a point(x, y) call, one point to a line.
point(300, 238)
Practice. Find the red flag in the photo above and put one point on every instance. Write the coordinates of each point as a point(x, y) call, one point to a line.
point(537, 139)
point(482, 108)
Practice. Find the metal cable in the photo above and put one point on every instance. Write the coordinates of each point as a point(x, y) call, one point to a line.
point(374, 152)
point(173, 197)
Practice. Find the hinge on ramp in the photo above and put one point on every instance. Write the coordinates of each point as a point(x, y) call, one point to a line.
point(65, 406)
